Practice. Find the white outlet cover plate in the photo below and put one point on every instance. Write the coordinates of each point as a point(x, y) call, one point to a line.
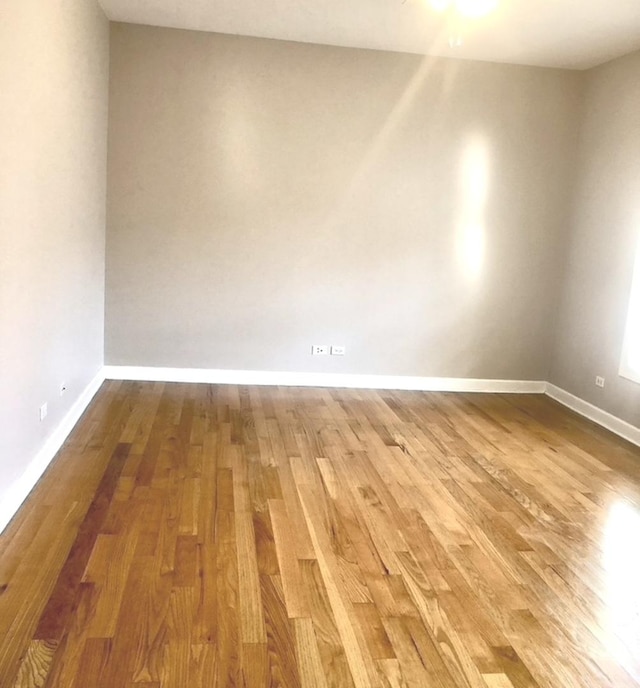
point(320, 350)
point(338, 350)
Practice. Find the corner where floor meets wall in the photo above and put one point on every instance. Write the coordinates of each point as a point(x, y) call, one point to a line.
point(23, 486)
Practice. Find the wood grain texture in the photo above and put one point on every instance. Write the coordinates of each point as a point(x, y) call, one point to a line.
point(201, 535)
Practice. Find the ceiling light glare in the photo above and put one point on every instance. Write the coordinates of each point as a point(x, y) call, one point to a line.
point(440, 5)
point(475, 8)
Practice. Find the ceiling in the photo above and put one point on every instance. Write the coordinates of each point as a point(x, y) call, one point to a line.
point(575, 34)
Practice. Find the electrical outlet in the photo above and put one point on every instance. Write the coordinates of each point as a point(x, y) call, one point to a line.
point(599, 381)
point(43, 412)
point(319, 350)
point(338, 350)
point(63, 388)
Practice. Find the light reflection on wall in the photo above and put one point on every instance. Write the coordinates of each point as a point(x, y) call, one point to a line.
point(621, 562)
point(474, 188)
point(630, 365)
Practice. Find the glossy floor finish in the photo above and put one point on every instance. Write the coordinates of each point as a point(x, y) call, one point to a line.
point(200, 535)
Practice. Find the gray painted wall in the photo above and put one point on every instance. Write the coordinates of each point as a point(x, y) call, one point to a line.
point(265, 196)
point(605, 230)
point(53, 123)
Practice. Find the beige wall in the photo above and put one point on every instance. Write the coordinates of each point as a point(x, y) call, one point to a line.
point(53, 112)
point(265, 196)
point(605, 230)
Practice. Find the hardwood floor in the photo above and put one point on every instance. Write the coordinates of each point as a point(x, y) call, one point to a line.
point(200, 535)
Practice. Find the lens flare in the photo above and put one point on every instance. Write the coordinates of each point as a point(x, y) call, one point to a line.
point(440, 5)
point(475, 8)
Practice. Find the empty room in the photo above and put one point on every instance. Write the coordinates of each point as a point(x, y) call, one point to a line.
point(320, 344)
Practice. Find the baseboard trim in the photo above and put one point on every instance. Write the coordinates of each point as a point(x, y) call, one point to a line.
point(399, 382)
point(20, 490)
point(23, 486)
point(597, 415)
point(288, 379)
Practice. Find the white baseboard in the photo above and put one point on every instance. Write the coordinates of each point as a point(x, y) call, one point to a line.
point(23, 486)
point(399, 382)
point(584, 408)
point(20, 490)
point(287, 379)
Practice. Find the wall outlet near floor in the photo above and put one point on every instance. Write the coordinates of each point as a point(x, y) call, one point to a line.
point(43, 411)
point(338, 350)
point(599, 381)
point(319, 350)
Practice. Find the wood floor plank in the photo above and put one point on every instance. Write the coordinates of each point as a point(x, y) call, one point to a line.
point(202, 535)
point(294, 593)
point(60, 605)
point(312, 674)
point(36, 664)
